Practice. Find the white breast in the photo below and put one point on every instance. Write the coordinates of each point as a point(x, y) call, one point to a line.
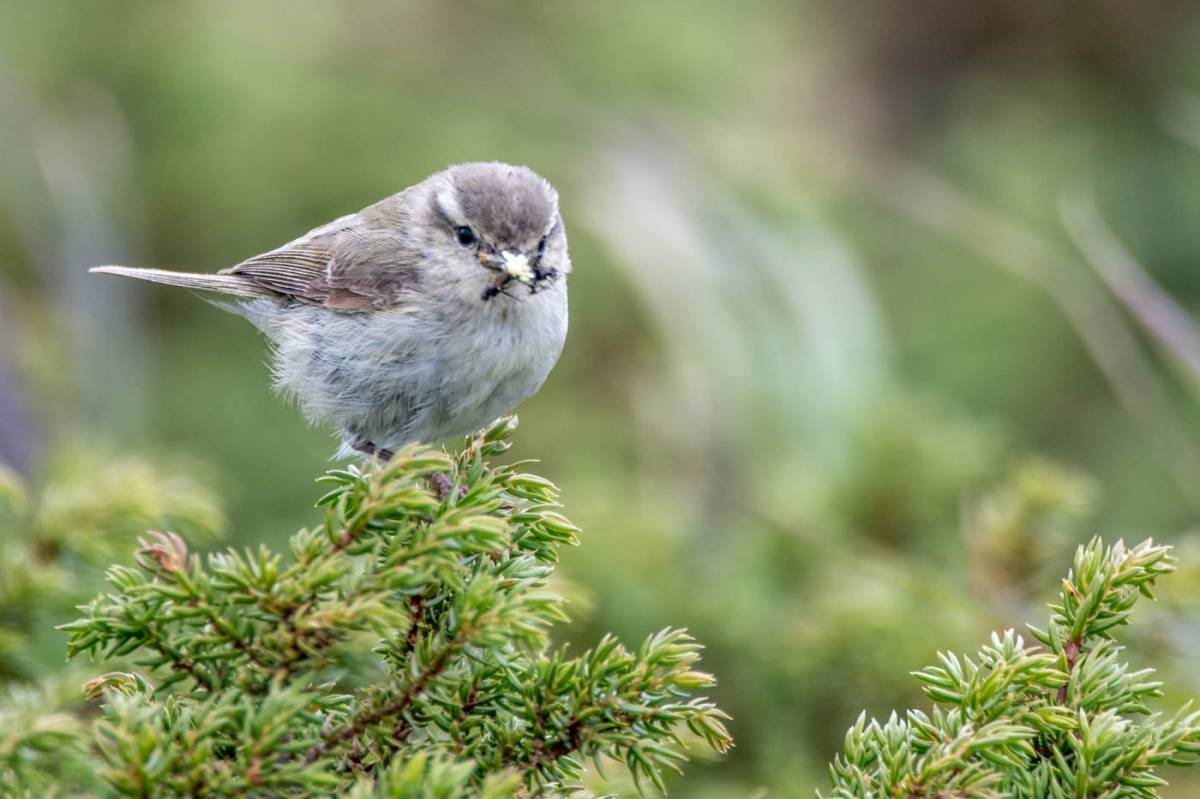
point(398, 376)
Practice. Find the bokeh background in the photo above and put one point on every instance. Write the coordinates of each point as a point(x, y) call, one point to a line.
point(878, 309)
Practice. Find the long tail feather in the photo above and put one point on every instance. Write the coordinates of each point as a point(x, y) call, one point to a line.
point(225, 284)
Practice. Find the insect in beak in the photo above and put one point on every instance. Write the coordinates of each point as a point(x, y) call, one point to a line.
point(510, 265)
point(516, 265)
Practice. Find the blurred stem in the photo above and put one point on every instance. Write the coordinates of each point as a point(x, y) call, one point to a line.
point(1154, 309)
point(1181, 117)
point(934, 203)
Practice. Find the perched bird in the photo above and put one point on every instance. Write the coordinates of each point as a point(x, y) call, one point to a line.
point(421, 317)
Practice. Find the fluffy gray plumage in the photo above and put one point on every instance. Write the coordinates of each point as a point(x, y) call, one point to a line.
point(421, 317)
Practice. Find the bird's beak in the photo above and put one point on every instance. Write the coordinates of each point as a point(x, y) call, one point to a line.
point(516, 265)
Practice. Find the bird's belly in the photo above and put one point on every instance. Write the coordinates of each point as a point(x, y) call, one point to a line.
point(392, 378)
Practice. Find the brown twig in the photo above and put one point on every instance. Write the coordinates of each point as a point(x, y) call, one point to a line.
point(1073, 649)
point(569, 741)
point(410, 640)
point(352, 729)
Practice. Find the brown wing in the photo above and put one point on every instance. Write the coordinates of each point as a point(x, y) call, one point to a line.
point(344, 266)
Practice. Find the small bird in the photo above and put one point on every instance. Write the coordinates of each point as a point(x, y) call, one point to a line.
point(419, 318)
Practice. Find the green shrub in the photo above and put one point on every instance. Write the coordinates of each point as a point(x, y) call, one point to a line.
point(1065, 719)
point(400, 649)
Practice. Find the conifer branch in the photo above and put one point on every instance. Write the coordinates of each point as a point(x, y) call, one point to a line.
point(1029, 722)
point(260, 678)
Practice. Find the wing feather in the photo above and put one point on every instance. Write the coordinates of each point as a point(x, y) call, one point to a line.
point(345, 265)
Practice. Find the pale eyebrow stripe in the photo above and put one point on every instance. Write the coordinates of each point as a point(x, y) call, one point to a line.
point(448, 203)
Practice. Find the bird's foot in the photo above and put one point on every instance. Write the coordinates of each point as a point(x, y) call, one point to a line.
point(440, 482)
point(367, 448)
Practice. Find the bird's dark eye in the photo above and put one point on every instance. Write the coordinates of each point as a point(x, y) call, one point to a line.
point(542, 246)
point(465, 236)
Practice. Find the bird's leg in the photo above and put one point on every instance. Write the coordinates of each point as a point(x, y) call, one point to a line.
point(440, 482)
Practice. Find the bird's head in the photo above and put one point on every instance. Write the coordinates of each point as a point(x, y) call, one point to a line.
point(500, 229)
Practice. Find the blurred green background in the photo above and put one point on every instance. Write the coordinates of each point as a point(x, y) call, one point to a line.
point(878, 308)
